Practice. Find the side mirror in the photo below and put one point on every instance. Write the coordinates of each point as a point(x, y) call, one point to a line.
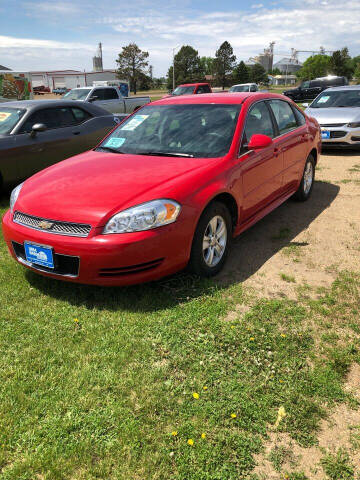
point(305, 105)
point(36, 128)
point(93, 98)
point(259, 141)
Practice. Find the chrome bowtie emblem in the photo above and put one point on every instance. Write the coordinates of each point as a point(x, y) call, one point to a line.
point(45, 225)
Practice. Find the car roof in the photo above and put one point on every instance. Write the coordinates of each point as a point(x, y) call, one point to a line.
point(343, 87)
point(241, 84)
point(37, 104)
point(218, 98)
point(192, 84)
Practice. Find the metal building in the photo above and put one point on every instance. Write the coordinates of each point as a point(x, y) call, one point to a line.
point(288, 65)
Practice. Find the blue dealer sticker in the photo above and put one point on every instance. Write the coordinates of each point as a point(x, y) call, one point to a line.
point(115, 142)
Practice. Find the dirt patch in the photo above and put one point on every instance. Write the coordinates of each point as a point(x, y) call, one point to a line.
point(340, 430)
point(304, 243)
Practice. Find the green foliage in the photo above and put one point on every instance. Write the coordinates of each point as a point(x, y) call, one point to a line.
point(132, 63)
point(258, 74)
point(188, 67)
point(341, 64)
point(207, 65)
point(241, 73)
point(357, 74)
point(224, 63)
point(315, 66)
point(338, 466)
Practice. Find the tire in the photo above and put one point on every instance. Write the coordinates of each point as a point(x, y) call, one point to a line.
point(307, 181)
point(207, 262)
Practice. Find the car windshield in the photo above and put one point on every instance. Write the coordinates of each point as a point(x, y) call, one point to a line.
point(77, 94)
point(9, 117)
point(337, 98)
point(183, 90)
point(176, 130)
point(239, 88)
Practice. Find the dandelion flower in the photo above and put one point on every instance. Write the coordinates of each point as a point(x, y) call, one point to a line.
point(196, 395)
point(205, 388)
point(190, 442)
point(76, 320)
point(281, 381)
point(280, 416)
point(233, 415)
point(174, 433)
point(203, 435)
point(252, 339)
point(282, 335)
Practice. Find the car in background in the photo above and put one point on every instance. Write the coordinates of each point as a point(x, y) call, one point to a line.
point(190, 89)
point(244, 87)
point(60, 90)
point(338, 112)
point(310, 89)
point(37, 133)
point(171, 186)
point(108, 97)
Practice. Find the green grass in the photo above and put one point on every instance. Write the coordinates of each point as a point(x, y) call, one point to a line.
point(93, 381)
point(338, 466)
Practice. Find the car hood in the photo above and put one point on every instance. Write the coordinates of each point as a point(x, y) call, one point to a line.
point(334, 115)
point(91, 187)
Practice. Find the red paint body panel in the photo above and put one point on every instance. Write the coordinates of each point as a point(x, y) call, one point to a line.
point(91, 187)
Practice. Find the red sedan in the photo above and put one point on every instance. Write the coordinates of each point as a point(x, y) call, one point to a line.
point(170, 186)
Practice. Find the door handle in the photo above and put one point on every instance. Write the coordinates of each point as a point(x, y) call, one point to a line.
point(76, 133)
point(277, 151)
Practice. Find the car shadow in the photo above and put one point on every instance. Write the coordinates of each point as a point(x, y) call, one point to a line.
point(250, 251)
point(335, 152)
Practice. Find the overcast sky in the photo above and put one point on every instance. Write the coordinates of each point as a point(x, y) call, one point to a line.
point(39, 35)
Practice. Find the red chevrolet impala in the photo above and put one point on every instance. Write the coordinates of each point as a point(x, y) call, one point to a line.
point(170, 186)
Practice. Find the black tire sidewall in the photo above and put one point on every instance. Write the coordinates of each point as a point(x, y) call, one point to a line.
point(197, 262)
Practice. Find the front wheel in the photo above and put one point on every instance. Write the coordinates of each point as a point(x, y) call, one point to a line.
point(211, 241)
point(307, 181)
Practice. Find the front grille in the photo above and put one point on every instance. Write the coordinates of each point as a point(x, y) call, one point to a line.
point(355, 139)
point(65, 265)
point(332, 124)
point(52, 226)
point(337, 134)
point(122, 271)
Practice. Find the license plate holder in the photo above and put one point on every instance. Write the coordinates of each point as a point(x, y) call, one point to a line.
point(39, 255)
point(325, 134)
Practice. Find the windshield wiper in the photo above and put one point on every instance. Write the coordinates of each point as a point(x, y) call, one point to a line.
point(109, 149)
point(167, 154)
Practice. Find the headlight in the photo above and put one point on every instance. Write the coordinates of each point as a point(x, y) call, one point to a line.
point(354, 125)
point(144, 217)
point(14, 196)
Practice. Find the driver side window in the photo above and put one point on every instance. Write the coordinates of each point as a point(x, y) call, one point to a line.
point(258, 121)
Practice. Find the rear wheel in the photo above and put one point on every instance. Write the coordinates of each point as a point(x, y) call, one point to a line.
point(307, 181)
point(211, 240)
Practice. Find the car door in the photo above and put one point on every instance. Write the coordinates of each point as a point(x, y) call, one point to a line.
point(111, 101)
point(57, 142)
point(89, 130)
point(315, 87)
point(261, 170)
point(293, 137)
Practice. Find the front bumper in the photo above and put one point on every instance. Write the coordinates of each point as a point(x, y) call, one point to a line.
point(117, 259)
point(342, 137)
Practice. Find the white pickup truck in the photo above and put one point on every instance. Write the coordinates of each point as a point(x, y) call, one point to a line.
point(108, 97)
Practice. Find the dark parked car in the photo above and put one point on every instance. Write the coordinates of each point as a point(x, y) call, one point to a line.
point(310, 89)
point(60, 90)
point(37, 133)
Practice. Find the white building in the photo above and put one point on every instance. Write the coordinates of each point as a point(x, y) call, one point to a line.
point(69, 78)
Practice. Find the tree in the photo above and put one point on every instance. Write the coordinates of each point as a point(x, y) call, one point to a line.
point(258, 74)
point(275, 71)
point(207, 65)
point(187, 67)
point(341, 64)
point(315, 66)
point(357, 74)
point(224, 62)
point(241, 73)
point(132, 63)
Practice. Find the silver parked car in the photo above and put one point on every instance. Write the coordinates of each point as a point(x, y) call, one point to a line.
point(337, 110)
point(244, 87)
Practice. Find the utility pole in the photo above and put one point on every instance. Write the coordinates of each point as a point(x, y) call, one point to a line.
point(173, 50)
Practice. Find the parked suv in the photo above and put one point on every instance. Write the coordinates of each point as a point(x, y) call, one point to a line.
point(310, 89)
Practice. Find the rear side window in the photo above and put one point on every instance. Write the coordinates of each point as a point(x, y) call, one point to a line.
point(99, 93)
point(80, 115)
point(51, 117)
point(110, 94)
point(300, 117)
point(258, 120)
point(315, 83)
point(284, 116)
